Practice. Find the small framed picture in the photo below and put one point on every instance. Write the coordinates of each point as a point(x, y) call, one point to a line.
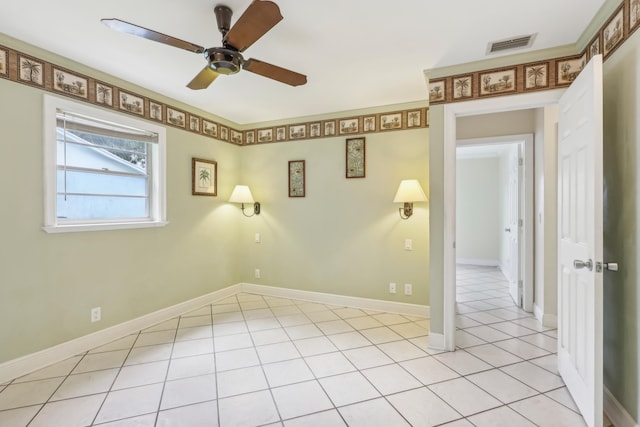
point(414, 118)
point(131, 103)
point(155, 111)
point(176, 117)
point(369, 124)
point(296, 178)
point(329, 128)
point(204, 177)
point(265, 135)
point(4, 63)
point(224, 133)
point(462, 87)
point(297, 131)
point(236, 137)
point(314, 130)
point(281, 133)
point(348, 126)
point(70, 84)
point(634, 15)
point(194, 123)
point(355, 165)
point(390, 121)
point(495, 82)
point(250, 137)
point(30, 70)
point(437, 90)
point(210, 128)
point(568, 69)
point(613, 33)
point(104, 94)
point(594, 46)
point(536, 76)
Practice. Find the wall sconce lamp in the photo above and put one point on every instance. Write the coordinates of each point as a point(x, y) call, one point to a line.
point(242, 194)
point(409, 191)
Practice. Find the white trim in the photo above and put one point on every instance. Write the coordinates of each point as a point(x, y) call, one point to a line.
point(436, 341)
point(339, 300)
point(616, 412)
point(548, 320)
point(451, 113)
point(479, 261)
point(103, 227)
point(18, 367)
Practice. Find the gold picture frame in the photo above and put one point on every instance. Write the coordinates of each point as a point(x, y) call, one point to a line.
point(204, 177)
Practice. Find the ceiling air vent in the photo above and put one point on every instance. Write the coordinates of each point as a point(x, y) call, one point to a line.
point(511, 43)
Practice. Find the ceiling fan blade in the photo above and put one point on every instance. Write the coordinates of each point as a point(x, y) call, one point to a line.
point(274, 72)
point(203, 79)
point(260, 17)
point(126, 27)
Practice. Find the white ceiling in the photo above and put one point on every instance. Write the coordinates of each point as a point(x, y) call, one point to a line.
point(356, 54)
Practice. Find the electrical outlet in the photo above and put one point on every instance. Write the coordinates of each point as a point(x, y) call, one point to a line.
point(96, 314)
point(408, 289)
point(392, 288)
point(408, 244)
point(257, 273)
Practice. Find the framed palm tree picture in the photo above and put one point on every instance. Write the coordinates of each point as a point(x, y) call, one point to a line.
point(536, 76)
point(462, 87)
point(204, 177)
point(30, 70)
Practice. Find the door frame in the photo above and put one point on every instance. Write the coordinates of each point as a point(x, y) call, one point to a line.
point(527, 196)
point(451, 112)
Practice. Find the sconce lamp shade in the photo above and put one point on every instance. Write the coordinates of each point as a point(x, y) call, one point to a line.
point(410, 191)
point(241, 194)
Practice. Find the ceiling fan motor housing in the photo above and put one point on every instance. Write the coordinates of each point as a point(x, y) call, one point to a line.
point(224, 61)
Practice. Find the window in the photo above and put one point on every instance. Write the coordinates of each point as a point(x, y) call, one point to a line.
point(103, 170)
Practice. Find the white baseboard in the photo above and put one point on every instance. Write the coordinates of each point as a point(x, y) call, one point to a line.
point(616, 412)
point(18, 367)
point(548, 320)
point(436, 341)
point(32, 362)
point(478, 261)
point(339, 300)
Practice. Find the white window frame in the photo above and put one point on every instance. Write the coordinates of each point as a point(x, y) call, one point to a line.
point(157, 206)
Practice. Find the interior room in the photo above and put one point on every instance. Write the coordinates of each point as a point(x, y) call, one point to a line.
point(273, 242)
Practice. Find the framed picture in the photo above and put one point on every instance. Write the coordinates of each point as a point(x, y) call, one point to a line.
point(265, 135)
point(131, 103)
point(390, 121)
point(594, 46)
point(155, 111)
point(314, 130)
point(462, 87)
point(224, 133)
point(70, 84)
point(176, 117)
point(4, 62)
point(348, 126)
point(194, 123)
point(355, 167)
point(204, 177)
point(613, 33)
point(297, 131)
point(236, 137)
point(250, 137)
point(296, 178)
point(536, 76)
point(634, 15)
point(369, 124)
point(496, 82)
point(568, 69)
point(209, 128)
point(437, 90)
point(281, 134)
point(329, 128)
point(414, 118)
point(30, 70)
point(104, 94)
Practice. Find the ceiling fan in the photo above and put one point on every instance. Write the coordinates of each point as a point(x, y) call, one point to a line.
point(260, 17)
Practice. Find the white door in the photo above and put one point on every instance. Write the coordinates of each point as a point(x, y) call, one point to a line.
point(580, 241)
point(512, 224)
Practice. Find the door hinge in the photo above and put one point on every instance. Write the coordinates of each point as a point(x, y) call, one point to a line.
point(520, 222)
point(520, 161)
point(520, 284)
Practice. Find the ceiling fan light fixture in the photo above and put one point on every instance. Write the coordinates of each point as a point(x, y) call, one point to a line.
point(224, 61)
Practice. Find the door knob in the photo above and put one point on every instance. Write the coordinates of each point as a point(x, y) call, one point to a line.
point(508, 230)
point(611, 266)
point(579, 264)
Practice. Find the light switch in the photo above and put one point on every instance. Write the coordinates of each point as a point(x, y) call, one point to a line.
point(257, 238)
point(408, 244)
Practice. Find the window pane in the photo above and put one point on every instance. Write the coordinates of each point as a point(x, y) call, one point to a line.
point(88, 182)
point(101, 207)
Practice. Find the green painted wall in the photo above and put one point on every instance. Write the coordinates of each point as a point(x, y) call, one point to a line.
point(345, 237)
point(621, 218)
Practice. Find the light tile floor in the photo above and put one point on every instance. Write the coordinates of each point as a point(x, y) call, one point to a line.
point(252, 360)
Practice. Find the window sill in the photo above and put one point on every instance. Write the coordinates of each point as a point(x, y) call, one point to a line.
point(103, 227)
